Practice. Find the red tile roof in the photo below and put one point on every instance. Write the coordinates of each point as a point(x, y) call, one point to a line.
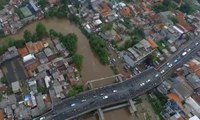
point(125, 11)
point(152, 43)
point(23, 51)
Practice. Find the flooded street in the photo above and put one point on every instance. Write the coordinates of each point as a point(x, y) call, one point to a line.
point(92, 68)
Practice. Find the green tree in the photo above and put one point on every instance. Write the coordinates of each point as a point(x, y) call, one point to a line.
point(42, 3)
point(69, 41)
point(41, 89)
point(3, 49)
point(106, 26)
point(41, 31)
point(187, 8)
point(77, 60)
point(3, 80)
point(19, 43)
point(52, 32)
point(75, 90)
point(27, 35)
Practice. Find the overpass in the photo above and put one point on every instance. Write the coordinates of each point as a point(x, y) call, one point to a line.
point(94, 99)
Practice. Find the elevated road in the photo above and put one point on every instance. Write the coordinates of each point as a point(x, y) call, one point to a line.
point(119, 92)
point(94, 99)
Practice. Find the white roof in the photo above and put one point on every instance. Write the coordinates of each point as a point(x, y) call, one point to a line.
point(28, 57)
point(178, 29)
point(194, 118)
point(97, 22)
point(47, 80)
point(193, 104)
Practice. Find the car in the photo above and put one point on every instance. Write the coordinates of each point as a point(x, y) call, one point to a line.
point(105, 97)
point(42, 118)
point(142, 84)
point(175, 60)
point(83, 100)
point(167, 63)
point(170, 65)
point(114, 91)
point(156, 75)
point(196, 43)
point(94, 96)
point(136, 68)
point(148, 80)
point(73, 104)
point(184, 53)
point(188, 50)
point(162, 71)
point(102, 94)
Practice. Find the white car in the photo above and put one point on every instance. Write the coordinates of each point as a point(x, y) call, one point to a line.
point(175, 60)
point(162, 71)
point(196, 43)
point(156, 75)
point(83, 100)
point(188, 50)
point(142, 84)
point(184, 53)
point(114, 91)
point(170, 65)
point(42, 118)
point(73, 104)
point(148, 80)
point(105, 97)
point(167, 63)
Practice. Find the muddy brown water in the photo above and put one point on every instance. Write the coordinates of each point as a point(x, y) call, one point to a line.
point(91, 69)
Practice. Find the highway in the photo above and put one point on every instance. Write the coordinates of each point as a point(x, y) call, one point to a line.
point(93, 99)
point(119, 92)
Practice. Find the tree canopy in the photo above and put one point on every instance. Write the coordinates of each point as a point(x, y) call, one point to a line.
point(77, 60)
point(41, 30)
point(69, 41)
point(27, 35)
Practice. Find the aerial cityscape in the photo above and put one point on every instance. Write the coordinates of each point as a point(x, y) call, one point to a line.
point(99, 59)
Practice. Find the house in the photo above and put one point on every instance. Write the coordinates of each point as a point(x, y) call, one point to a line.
point(16, 87)
point(1, 115)
point(152, 43)
point(192, 103)
point(128, 60)
point(23, 51)
point(42, 57)
point(104, 9)
point(193, 80)
point(125, 11)
point(164, 16)
point(49, 53)
point(58, 89)
point(194, 118)
point(34, 47)
point(181, 90)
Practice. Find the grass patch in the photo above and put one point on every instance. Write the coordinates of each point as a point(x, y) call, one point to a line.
point(25, 11)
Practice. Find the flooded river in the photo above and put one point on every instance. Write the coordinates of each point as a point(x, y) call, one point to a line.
point(92, 68)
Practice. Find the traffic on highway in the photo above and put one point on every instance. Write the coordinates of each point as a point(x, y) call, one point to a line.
point(94, 99)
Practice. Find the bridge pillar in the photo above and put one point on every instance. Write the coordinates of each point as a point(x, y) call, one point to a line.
point(90, 85)
point(119, 79)
point(100, 113)
point(132, 107)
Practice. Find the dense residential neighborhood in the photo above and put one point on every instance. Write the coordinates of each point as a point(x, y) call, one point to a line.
point(41, 73)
